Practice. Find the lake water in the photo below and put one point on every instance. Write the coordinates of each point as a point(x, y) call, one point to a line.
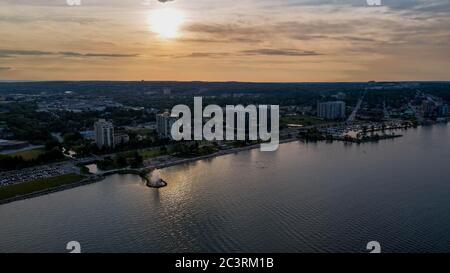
point(316, 197)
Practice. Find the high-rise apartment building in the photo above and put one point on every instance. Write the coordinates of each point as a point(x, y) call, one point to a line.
point(164, 124)
point(104, 134)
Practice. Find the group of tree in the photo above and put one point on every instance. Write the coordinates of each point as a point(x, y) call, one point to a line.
point(121, 160)
point(51, 154)
point(312, 134)
point(189, 149)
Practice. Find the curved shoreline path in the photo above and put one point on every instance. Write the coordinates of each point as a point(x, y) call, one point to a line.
point(150, 165)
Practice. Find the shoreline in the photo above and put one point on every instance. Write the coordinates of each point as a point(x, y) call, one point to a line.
point(87, 181)
point(142, 171)
point(165, 165)
point(97, 178)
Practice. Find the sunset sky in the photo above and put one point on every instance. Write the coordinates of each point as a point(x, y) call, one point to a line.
point(225, 40)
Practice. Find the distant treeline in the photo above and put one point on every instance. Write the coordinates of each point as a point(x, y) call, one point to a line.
point(110, 87)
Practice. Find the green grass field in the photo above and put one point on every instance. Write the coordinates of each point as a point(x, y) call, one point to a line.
point(30, 154)
point(301, 120)
point(38, 185)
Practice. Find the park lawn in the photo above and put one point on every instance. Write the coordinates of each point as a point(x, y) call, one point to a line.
point(145, 153)
point(150, 153)
point(38, 185)
point(301, 120)
point(29, 154)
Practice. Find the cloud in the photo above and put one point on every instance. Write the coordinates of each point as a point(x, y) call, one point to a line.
point(402, 5)
point(307, 30)
point(57, 19)
point(13, 52)
point(219, 29)
point(437, 6)
point(206, 55)
point(217, 40)
point(229, 33)
point(199, 55)
point(341, 32)
point(252, 52)
point(63, 3)
point(105, 55)
point(347, 34)
point(279, 52)
point(432, 6)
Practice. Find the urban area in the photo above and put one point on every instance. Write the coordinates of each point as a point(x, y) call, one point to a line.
point(58, 134)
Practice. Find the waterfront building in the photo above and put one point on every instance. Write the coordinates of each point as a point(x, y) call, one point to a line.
point(104, 134)
point(331, 110)
point(428, 108)
point(164, 124)
point(444, 110)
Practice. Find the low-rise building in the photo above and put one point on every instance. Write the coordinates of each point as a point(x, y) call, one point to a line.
point(121, 139)
point(167, 91)
point(444, 110)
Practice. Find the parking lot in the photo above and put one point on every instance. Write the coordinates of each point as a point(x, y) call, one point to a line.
point(35, 173)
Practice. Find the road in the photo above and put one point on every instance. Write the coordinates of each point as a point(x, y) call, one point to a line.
point(385, 111)
point(352, 117)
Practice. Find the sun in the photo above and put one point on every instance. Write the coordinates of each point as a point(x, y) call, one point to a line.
point(166, 22)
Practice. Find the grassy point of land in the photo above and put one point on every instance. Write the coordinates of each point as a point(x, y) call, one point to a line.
point(29, 154)
point(38, 185)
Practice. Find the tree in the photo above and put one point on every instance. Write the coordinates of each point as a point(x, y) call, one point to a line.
point(12, 163)
point(121, 161)
point(50, 156)
point(163, 150)
point(137, 160)
point(49, 145)
point(72, 138)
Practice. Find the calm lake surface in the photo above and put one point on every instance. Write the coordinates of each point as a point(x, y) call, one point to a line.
point(303, 198)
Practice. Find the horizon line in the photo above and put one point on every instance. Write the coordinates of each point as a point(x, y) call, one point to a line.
point(230, 81)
